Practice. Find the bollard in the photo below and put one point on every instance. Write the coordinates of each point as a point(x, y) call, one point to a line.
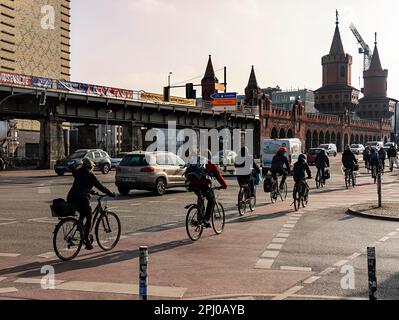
point(379, 187)
point(143, 273)
point(371, 261)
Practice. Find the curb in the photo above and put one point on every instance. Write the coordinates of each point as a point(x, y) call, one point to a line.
point(371, 216)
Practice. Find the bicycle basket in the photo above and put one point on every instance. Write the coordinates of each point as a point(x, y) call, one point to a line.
point(61, 209)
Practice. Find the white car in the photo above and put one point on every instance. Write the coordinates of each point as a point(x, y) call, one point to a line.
point(357, 148)
point(225, 158)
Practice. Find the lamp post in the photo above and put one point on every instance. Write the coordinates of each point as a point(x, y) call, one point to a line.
point(107, 112)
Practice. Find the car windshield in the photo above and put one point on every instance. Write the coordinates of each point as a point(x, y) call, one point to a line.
point(355, 146)
point(135, 160)
point(314, 151)
point(324, 146)
point(77, 155)
point(373, 144)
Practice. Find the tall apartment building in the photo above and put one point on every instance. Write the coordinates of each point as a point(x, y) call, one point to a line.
point(34, 40)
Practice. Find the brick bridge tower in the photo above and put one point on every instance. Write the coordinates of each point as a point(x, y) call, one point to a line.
point(209, 81)
point(252, 91)
point(337, 96)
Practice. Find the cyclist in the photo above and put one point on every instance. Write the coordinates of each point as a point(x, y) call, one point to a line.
point(366, 157)
point(374, 161)
point(246, 169)
point(202, 183)
point(349, 160)
point(393, 157)
point(322, 162)
point(84, 181)
point(278, 163)
point(382, 156)
point(300, 168)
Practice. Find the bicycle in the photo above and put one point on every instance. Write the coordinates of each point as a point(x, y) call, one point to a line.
point(300, 194)
point(68, 233)
point(245, 198)
point(350, 178)
point(195, 220)
point(275, 191)
point(375, 170)
point(319, 182)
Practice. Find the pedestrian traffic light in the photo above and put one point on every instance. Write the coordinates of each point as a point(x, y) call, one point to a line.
point(190, 92)
point(166, 94)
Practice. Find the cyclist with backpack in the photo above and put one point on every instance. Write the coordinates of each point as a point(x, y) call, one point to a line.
point(246, 176)
point(281, 166)
point(322, 162)
point(349, 162)
point(199, 179)
point(382, 155)
point(374, 162)
point(300, 168)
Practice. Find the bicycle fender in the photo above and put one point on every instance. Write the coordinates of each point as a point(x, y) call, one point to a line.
point(190, 206)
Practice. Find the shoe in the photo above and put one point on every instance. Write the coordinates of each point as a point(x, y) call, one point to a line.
point(206, 224)
point(89, 246)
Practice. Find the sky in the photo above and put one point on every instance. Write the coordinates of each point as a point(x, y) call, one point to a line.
point(134, 44)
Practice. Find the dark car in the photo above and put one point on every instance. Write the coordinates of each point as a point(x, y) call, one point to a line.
point(312, 154)
point(100, 158)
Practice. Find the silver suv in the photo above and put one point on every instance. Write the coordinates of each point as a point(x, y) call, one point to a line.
point(153, 171)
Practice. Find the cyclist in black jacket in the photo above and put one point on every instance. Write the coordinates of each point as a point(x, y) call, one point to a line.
point(84, 181)
point(278, 163)
point(349, 160)
point(322, 162)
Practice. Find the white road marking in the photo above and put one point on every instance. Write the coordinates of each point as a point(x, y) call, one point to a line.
point(311, 280)
point(157, 201)
point(287, 268)
point(264, 264)
point(285, 230)
point(282, 235)
point(288, 293)
point(8, 223)
point(354, 256)
point(341, 263)
point(270, 254)
point(392, 234)
point(136, 204)
point(289, 226)
point(43, 190)
point(294, 219)
point(47, 255)
point(8, 290)
point(44, 220)
point(383, 239)
point(9, 255)
point(172, 199)
point(279, 240)
point(122, 211)
point(126, 217)
point(36, 281)
point(327, 271)
point(275, 246)
point(297, 215)
point(121, 288)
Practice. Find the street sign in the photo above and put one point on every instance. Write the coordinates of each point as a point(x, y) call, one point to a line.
point(223, 102)
point(231, 95)
point(220, 86)
point(224, 108)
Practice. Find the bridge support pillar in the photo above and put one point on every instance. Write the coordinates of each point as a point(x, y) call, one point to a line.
point(51, 142)
point(132, 138)
point(87, 137)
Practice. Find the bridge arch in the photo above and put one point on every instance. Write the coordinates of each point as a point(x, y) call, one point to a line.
point(290, 134)
point(357, 140)
point(274, 134)
point(327, 139)
point(352, 140)
point(333, 138)
point(308, 143)
point(339, 142)
point(321, 137)
point(282, 134)
point(315, 139)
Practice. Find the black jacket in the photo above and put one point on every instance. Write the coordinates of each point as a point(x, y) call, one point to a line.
point(322, 161)
point(299, 171)
point(278, 162)
point(84, 182)
point(392, 153)
point(348, 158)
point(382, 154)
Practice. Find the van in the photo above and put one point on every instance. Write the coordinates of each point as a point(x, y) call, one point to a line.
point(271, 146)
point(375, 144)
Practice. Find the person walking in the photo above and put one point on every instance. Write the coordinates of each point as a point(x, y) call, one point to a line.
point(393, 157)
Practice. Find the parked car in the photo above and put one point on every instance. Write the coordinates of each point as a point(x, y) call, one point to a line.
point(100, 158)
point(330, 148)
point(389, 145)
point(153, 171)
point(117, 160)
point(357, 148)
point(312, 154)
point(375, 144)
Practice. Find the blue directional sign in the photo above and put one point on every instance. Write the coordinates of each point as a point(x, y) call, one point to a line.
point(231, 95)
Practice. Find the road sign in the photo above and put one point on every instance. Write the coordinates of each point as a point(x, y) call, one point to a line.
point(224, 102)
point(224, 108)
point(231, 95)
point(220, 86)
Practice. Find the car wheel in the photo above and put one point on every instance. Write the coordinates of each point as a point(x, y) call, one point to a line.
point(160, 187)
point(335, 154)
point(106, 168)
point(60, 173)
point(123, 191)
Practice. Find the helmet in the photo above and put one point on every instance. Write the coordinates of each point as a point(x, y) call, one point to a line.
point(87, 163)
point(283, 150)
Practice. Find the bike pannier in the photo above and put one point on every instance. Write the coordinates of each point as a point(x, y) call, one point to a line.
point(61, 209)
point(327, 174)
point(267, 184)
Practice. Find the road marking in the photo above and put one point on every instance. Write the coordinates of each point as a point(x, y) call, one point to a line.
point(157, 201)
point(288, 293)
point(327, 271)
point(9, 255)
point(125, 217)
point(285, 230)
point(341, 263)
point(47, 255)
point(383, 239)
point(36, 281)
point(304, 296)
point(297, 215)
point(8, 223)
point(287, 268)
point(294, 219)
point(354, 256)
point(121, 288)
point(44, 220)
point(289, 226)
point(172, 199)
point(2, 278)
point(392, 234)
point(282, 235)
point(279, 240)
point(8, 290)
point(275, 246)
point(122, 211)
point(311, 280)
point(270, 254)
point(264, 264)
point(43, 190)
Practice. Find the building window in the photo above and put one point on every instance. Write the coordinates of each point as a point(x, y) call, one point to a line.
point(342, 72)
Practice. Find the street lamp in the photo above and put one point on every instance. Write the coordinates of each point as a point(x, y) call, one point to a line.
point(107, 112)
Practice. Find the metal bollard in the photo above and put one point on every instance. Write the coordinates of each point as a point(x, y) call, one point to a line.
point(143, 273)
point(371, 261)
point(379, 190)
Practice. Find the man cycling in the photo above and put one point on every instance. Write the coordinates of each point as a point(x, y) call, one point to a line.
point(246, 169)
point(278, 163)
point(300, 168)
point(203, 184)
point(366, 157)
point(374, 162)
point(79, 195)
point(349, 160)
point(322, 162)
point(382, 155)
point(393, 157)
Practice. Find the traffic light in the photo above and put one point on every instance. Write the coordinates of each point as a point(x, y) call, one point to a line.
point(190, 92)
point(166, 94)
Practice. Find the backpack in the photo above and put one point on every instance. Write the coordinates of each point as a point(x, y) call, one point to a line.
point(195, 172)
point(327, 174)
point(267, 184)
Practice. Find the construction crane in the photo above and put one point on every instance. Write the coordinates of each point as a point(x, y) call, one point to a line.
point(365, 49)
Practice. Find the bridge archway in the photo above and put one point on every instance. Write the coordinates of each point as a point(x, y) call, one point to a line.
point(385, 139)
point(327, 138)
point(361, 139)
point(315, 140)
point(282, 134)
point(321, 137)
point(339, 142)
point(308, 142)
point(346, 139)
point(274, 134)
point(352, 140)
point(357, 140)
point(290, 135)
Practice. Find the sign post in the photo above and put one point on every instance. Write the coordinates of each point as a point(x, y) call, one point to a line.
point(379, 187)
point(371, 261)
point(224, 101)
point(143, 273)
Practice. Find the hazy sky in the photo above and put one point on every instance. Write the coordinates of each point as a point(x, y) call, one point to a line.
point(135, 43)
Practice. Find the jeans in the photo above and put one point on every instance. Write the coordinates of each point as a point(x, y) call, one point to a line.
point(282, 173)
point(322, 172)
point(84, 209)
point(209, 194)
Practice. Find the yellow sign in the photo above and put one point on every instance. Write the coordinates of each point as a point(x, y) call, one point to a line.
point(219, 86)
point(155, 97)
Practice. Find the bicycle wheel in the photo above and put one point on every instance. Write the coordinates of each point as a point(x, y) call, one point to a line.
point(242, 202)
point(194, 226)
point(354, 179)
point(218, 218)
point(108, 231)
point(347, 180)
point(252, 201)
point(274, 193)
point(284, 192)
point(296, 199)
point(68, 239)
point(317, 180)
point(305, 201)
